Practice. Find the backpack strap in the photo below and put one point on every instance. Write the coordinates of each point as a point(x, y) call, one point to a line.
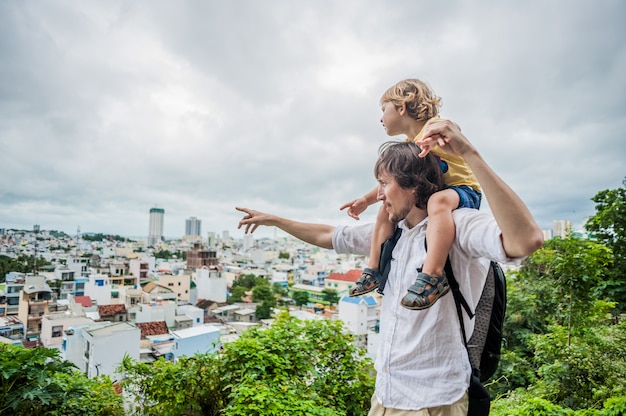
point(458, 296)
point(384, 263)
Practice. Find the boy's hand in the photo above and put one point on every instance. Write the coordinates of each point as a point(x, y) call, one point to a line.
point(356, 207)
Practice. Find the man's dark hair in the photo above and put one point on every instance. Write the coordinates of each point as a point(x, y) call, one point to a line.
point(401, 160)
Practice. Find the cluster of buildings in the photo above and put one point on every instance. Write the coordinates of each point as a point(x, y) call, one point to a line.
point(98, 301)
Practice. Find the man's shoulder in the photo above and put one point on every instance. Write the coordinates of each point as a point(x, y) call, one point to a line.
point(461, 214)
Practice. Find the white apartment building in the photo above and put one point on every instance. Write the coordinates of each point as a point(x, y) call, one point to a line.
point(180, 284)
point(140, 268)
point(157, 311)
point(196, 314)
point(359, 316)
point(98, 349)
point(358, 313)
point(193, 227)
point(98, 288)
point(561, 228)
point(198, 339)
point(210, 285)
point(54, 325)
point(155, 230)
point(153, 291)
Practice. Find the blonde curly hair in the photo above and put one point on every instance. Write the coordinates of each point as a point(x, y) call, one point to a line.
point(421, 102)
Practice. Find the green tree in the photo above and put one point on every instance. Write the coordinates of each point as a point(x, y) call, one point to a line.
point(263, 294)
point(282, 370)
point(37, 382)
point(562, 345)
point(581, 372)
point(250, 280)
point(279, 290)
point(264, 310)
point(585, 367)
point(191, 386)
point(22, 264)
point(283, 255)
point(274, 371)
point(565, 273)
point(301, 298)
point(331, 296)
point(237, 293)
point(166, 254)
point(609, 227)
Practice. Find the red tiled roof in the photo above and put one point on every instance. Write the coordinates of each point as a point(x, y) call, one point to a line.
point(83, 300)
point(111, 310)
point(152, 328)
point(351, 277)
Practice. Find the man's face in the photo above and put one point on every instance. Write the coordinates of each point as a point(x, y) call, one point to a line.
point(397, 201)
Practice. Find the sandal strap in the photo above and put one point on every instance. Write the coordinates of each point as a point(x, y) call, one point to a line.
point(419, 287)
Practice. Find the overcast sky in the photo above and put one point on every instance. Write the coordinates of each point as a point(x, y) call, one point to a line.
point(110, 108)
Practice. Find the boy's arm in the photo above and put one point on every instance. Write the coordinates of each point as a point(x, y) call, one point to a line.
point(359, 205)
point(320, 235)
point(521, 235)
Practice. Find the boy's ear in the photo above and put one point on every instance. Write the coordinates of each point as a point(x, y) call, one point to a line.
point(402, 109)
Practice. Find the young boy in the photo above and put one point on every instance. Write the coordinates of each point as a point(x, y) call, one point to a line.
point(407, 107)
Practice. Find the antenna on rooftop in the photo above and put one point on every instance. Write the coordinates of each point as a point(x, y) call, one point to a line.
point(77, 237)
point(36, 231)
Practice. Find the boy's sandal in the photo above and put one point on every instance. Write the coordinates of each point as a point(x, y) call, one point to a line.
point(369, 280)
point(419, 296)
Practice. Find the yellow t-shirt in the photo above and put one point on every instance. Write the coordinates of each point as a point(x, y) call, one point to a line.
point(455, 171)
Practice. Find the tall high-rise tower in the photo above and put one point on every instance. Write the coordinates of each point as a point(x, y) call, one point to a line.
point(155, 232)
point(193, 226)
point(560, 228)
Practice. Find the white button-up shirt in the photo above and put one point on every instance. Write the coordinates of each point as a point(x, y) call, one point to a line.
point(421, 361)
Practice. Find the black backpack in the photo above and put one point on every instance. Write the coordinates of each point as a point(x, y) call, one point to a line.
point(483, 347)
point(485, 344)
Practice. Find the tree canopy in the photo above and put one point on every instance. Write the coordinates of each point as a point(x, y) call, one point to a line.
point(37, 382)
point(280, 370)
point(608, 226)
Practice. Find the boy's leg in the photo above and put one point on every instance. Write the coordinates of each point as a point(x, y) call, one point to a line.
point(432, 283)
point(383, 229)
point(370, 279)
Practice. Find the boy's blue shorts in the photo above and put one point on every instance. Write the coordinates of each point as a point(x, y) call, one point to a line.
point(468, 196)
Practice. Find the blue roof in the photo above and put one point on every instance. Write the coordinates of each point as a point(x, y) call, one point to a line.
point(356, 300)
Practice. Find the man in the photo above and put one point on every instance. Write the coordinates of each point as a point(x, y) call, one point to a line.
point(422, 366)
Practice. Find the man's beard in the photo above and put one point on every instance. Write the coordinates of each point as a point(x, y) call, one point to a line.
point(398, 216)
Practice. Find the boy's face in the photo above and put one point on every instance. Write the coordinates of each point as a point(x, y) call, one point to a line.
point(391, 119)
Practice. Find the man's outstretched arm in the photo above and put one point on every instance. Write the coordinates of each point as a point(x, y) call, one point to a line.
point(317, 234)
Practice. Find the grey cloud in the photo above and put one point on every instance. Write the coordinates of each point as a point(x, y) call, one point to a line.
point(110, 108)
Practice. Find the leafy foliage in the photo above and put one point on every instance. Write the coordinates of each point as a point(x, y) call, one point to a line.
point(279, 370)
point(22, 264)
point(331, 296)
point(288, 356)
point(300, 297)
point(572, 268)
point(609, 228)
point(564, 349)
point(38, 382)
point(190, 387)
point(103, 237)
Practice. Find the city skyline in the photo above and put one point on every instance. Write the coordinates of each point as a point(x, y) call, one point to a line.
point(558, 227)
